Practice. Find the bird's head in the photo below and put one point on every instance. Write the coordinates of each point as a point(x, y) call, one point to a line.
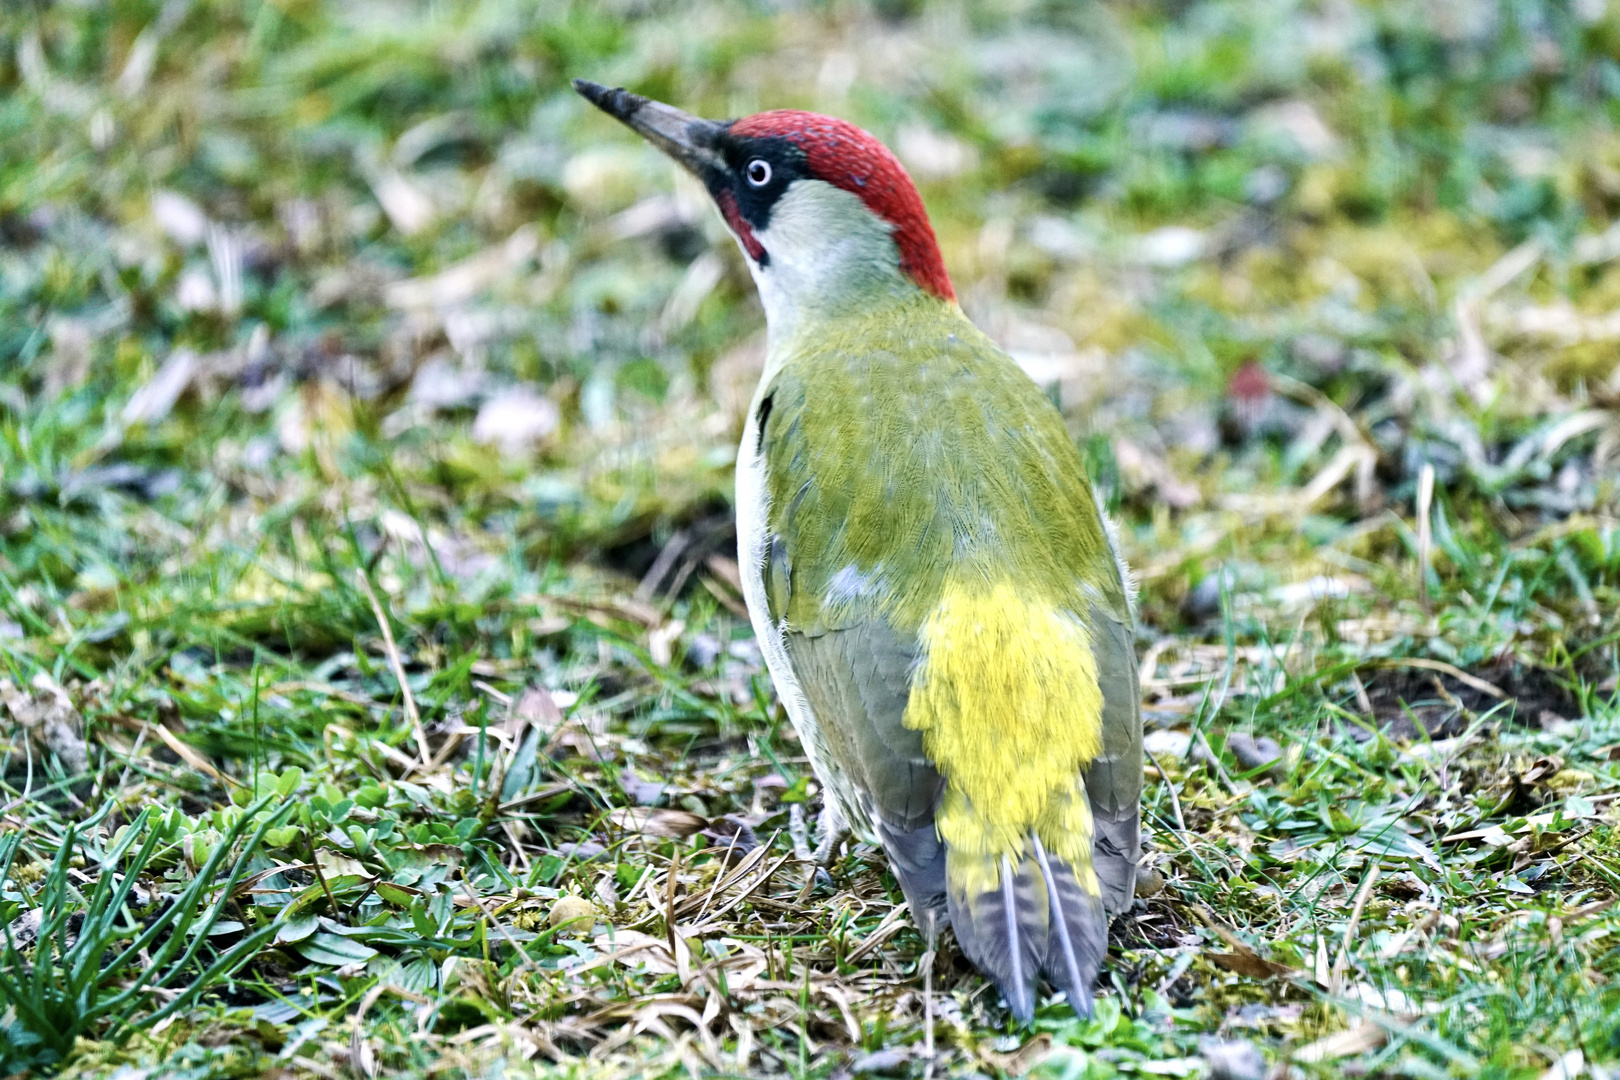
point(825, 214)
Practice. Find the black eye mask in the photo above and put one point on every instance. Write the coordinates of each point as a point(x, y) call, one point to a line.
point(786, 162)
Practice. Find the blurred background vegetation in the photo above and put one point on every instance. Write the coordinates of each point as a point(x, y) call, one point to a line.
point(362, 390)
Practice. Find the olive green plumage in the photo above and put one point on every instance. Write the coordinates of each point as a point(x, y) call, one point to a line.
point(904, 454)
point(939, 602)
point(902, 442)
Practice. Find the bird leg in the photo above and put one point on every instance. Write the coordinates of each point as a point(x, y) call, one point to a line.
point(931, 935)
point(799, 832)
point(830, 831)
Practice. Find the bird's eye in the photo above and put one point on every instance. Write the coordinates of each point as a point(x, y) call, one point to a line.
point(759, 172)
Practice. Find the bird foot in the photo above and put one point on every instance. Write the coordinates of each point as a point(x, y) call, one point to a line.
point(928, 1013)
point(830, 833)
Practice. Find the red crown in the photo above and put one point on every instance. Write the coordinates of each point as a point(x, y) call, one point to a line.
point(846, 157)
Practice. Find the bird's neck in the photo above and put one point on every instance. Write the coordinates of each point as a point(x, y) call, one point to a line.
point(828, 259)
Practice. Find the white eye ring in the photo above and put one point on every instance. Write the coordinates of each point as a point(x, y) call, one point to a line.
point(759, 172)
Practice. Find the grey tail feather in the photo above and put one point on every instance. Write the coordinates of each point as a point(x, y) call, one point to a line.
point(1061, 945)
point(1079, 932)
point(1003, 931)
point(917, 857)
point(1019, 992)
point(1038, 919)
point(1114, 853)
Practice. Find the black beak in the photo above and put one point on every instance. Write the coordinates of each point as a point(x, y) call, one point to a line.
point(691, 140)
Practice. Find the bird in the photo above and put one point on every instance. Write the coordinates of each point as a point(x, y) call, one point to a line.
point(940, 600)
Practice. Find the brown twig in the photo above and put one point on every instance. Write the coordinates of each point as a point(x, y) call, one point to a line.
point(1342, 964)
point(1425, 532)
point(398, 666)
point(358, 1055)
point(489, 919)
point(1444, 668)
point(669, 900)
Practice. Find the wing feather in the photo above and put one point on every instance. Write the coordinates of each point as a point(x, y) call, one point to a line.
point(1114, 778)
point(889, 455)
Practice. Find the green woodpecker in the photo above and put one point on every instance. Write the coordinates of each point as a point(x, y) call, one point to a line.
point(940, 602)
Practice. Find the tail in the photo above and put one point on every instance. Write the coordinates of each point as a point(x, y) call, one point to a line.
point(1011, 708)
point(1020, 914)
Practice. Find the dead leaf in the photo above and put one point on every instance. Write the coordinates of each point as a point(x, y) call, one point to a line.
point(641, 791)
point(582, 851)
point(661, 641)
point(448, 854)
point(1144, 469)
point(1171, 246)
point(1540, 770)
point(50, 721)
point(333, 864)
point(733, 834)
point(191, 757)
point(1250, 964)
point(629, 947)
point(648, 821)
point(934, 154)
point(726, 570)
point(69, 364)
point(539, 708)
point(403, 201)
point(701, 276)
point(1232, 1059)
point(152, 402)
point(1242, 959)
point(182, 220)
point(1363, 1037)
point(462, 281)
point(1018, 1062)
point(1297, 122)
point(1493, 835)
point(516, 420)
point(1253, 753)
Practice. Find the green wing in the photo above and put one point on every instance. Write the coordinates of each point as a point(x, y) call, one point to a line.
point(897, 452)
point(856, 679)
point(1114, 778)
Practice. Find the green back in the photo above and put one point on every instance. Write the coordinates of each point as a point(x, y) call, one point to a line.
point(901, 443)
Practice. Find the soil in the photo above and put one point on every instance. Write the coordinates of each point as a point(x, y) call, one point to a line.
point(1403, 698)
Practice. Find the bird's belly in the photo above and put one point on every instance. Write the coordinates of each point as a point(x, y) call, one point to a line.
point(753, 534)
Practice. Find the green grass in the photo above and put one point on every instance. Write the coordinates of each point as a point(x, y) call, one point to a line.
point(323, 715)
point(88, 965)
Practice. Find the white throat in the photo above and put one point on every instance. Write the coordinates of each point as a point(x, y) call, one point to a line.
point(827, 255)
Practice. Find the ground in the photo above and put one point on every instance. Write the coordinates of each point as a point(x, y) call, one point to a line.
point(375, 691)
